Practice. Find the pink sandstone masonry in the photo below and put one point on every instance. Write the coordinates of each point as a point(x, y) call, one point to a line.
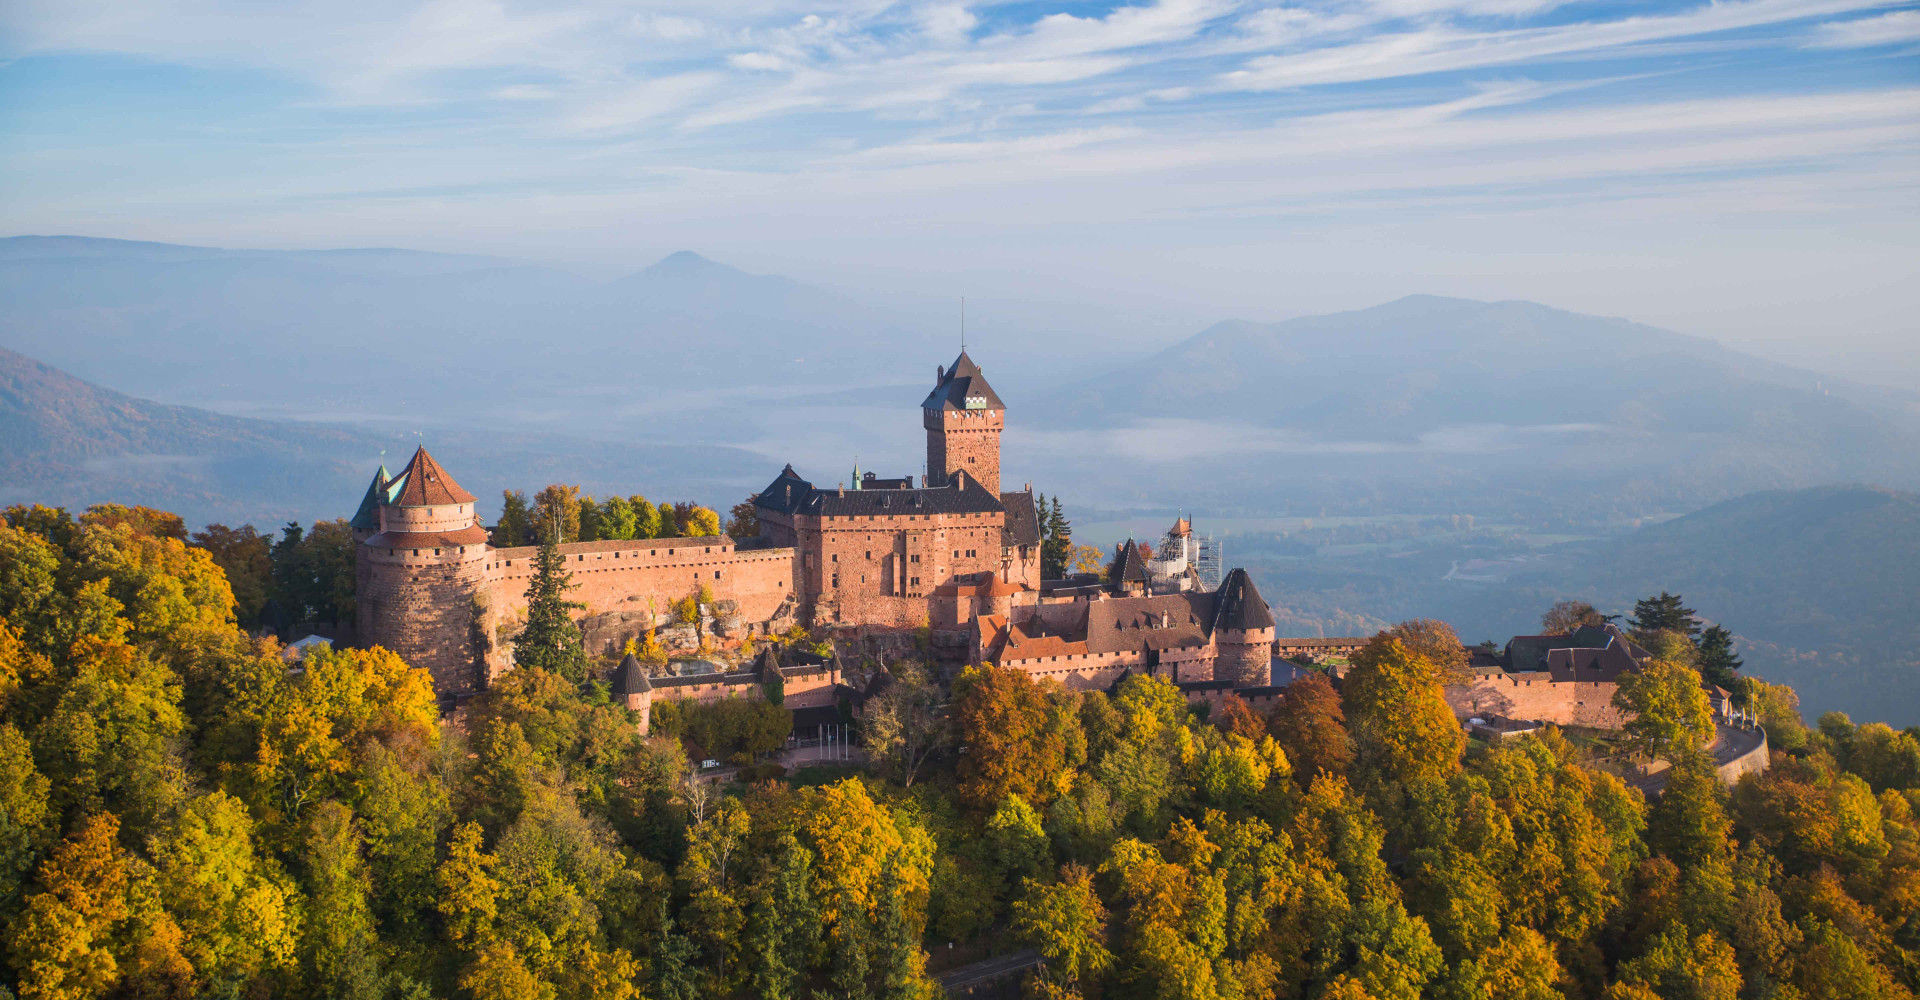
point(1533, 695)
point(640, 575)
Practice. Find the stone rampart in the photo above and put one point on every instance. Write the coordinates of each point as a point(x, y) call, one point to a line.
point(649, 574)
point(1534, 695)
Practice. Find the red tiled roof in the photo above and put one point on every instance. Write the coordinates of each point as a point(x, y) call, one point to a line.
point(473, 535)
point(428, 485)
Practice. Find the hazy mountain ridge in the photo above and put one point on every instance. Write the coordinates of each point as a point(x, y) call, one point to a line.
point(68, 442)
point(1818, 584)
point(1449, 398)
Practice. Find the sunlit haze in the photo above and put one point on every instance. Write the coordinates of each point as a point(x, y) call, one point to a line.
point(1744, 170)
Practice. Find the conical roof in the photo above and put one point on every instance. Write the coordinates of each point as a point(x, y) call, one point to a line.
point(630, 678)
point(428, 485)
point(1238, 606)
point(963, 387)
point(367, 518)
point(1128, 566)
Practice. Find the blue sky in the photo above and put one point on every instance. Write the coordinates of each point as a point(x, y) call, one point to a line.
point(1748, 169)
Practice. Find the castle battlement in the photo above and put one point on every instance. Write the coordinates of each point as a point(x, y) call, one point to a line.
point(886, 553)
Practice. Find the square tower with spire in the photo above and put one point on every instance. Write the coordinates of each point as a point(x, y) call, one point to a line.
point(963, 417)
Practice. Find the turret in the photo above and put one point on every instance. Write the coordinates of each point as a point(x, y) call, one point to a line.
point(424, 567)
point(1242, 633)
point(963, 417)
point(632, 689)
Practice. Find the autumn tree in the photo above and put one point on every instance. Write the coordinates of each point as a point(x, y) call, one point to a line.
point(907, 723)
point(246, 557)
point(1310, 726)
point(556, 515)
point(1435, 642)
point(1668, 709)
point(617, 520)
point(1403, 730)
point(743, 520)
point(1567, 615)
point(1002, 719)
point(1064, 920)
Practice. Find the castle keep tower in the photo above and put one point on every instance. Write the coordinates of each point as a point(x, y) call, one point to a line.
point(963, 418)
point(421, 570)
point(1243, 630)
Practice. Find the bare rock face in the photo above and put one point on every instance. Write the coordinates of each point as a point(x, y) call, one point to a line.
point(679, 637)
point(722, 609)
point(729, 626)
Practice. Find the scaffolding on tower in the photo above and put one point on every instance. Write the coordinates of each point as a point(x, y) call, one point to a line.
point(1209, 556)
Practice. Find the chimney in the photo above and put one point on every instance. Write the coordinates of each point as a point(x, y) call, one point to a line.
point(939, 373)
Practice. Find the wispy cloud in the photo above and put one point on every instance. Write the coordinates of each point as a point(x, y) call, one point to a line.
point(1865, 32)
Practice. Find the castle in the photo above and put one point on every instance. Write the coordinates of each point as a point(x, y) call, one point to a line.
point(947, 553)
point(953, 554)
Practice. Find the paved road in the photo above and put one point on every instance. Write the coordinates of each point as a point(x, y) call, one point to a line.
point(986, 971)
point(1729, 744)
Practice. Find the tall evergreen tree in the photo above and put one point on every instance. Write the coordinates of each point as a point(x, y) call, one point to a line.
point(674, 977)
point(516, 524)
point(551, 641)
point(1718, 663)
point(896, 945)
point(1056, 551)
point(1665, 613)
point(851, 958)
point(783, 928)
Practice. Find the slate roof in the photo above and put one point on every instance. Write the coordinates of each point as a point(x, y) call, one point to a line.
point(959, 384)
point(1533, 652)
point(964, 495)
point(1238, 605)
point(785, 494)
point(1128, 566)
point(428, 485)
point(1022, 526)
point(1125, 623)
point(790, 494)
point(367, 518)
point(630, 678)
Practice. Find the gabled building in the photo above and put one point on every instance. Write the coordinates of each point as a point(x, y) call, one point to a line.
point(877, 553)
point(1090, 641)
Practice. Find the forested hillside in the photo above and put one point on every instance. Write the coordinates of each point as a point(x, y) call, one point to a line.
point(183, 813)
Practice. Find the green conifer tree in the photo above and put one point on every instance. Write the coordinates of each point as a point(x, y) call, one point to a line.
point(551, 641)
point(1664, 613)
point(516, 525)
point(851, 960)
point(674, 975)
point(1718, 664)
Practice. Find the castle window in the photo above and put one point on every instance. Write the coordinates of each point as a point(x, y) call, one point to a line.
point(436, 552)
point(716, 574)
point(416, 552)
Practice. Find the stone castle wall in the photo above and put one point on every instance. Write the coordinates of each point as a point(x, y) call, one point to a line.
point(879, 569)
point(964, 440)
point(1245, 658)
point(649, 574)
point(423, 608)
point(1534, 696)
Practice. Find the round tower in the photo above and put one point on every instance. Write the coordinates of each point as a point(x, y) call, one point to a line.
point(1242, 633)
point(424, 575)
point(632, 688)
